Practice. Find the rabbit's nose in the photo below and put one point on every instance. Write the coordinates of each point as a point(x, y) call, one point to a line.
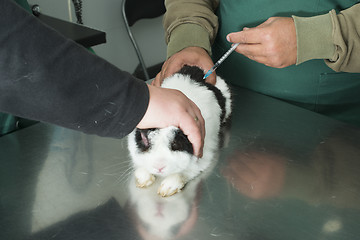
point(159, 168)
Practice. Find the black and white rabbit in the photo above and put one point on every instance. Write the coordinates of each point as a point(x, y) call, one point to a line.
point(167, 152)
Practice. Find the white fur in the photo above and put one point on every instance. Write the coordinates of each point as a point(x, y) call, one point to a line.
point(180, 165)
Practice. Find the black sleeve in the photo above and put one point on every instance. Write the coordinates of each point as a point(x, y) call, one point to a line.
point(46, 77)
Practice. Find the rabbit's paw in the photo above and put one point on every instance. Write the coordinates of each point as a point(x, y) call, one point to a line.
point(171, 185)
point(143, 178)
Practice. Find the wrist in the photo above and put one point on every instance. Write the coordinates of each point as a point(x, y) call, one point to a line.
point(180, 39)
point(314, 37)
point(143, 122)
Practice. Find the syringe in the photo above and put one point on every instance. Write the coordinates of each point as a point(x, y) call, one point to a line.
point(216, 65)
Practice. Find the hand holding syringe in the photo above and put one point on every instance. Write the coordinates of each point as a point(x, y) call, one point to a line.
point(216, 65)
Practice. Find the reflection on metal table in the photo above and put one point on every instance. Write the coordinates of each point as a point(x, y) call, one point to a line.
point(284, 173)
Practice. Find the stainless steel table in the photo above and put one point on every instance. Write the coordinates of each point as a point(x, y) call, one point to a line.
point(283, 173)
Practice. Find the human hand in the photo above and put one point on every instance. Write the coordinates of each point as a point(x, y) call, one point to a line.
point(169, 107)
point(272, 43)
point(192, 56)
point(255, 174)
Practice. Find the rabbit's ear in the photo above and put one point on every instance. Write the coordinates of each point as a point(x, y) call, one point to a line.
point(142, 139)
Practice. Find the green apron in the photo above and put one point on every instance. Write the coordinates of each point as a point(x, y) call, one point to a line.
point(312, 85)
point(9, 123)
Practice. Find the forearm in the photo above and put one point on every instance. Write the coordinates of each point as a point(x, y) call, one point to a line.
point(48, 78)
point(190, 23)
point(333, 37)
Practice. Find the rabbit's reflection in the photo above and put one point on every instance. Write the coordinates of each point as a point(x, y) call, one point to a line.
point(161, 218)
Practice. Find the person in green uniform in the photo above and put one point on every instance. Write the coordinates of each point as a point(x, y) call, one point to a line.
point(302, 52)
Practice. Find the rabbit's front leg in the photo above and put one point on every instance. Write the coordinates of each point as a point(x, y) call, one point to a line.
point(171, 185)
point(143, 178)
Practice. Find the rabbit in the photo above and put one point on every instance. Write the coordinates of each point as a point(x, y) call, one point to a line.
point(167, 153)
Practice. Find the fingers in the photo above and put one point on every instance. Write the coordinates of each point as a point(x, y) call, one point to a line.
point(157, 81)
point(171, 66)
point(193, 126)
point(211, 78)
point(169, 107)
point(247, 36)
point(272, 43)
point(192, 56)
point(257, 50)
point(251, 44)
point(255, 35)
point(200, 122)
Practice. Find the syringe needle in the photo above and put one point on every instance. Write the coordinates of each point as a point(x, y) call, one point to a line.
point(216, 65)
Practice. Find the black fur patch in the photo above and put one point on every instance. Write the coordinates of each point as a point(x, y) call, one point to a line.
point(181, 143)
point(194, 72)
point(197, 75)
point(142, 140)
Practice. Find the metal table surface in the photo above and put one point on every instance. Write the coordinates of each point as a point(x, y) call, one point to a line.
point(284, 173)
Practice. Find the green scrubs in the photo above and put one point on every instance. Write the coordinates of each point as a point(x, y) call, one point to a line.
point(9, 123)
point(311, 85)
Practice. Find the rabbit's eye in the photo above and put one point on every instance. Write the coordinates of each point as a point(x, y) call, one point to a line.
point(176, 146)
point(181, 143)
